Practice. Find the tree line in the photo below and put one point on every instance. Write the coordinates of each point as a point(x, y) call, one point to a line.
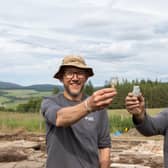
point(155, 93)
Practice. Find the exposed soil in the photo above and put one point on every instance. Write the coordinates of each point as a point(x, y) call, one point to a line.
point(129, 150)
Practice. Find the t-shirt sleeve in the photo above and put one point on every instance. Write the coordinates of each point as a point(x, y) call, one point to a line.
point(104, 139)
point(49, 110)
point(153, 125)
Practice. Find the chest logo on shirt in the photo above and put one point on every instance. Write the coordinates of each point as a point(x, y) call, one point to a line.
point(90, 118)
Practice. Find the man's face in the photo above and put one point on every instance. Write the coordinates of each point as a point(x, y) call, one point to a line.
point(74, 80)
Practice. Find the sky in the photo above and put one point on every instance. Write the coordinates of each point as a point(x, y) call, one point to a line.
point(127, 39)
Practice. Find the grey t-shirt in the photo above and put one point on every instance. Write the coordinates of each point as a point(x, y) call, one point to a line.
point(155, 125)
point(75, 146)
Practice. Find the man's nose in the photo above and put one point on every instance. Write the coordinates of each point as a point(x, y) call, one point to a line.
point(75, 76)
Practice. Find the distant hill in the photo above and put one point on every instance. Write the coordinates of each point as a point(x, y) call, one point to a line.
point(43, 87)
point(38, 87)
point(7, 85)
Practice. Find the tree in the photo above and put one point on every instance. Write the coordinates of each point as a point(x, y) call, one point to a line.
point(89, 89)
point(55, 90)
point(33, 105)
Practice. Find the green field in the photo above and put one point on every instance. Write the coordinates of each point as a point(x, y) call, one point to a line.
point(34, 122)
point(124, 113)
point(120, 119)
point(11, 98)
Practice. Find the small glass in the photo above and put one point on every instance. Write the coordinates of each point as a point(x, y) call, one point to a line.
point(136, 90)
point(113, 82)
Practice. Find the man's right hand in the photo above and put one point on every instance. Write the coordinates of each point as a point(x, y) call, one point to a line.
point(101, 98)
point(135, 105)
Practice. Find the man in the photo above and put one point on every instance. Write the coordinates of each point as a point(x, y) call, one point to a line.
point(77, 132)
point(147, 125)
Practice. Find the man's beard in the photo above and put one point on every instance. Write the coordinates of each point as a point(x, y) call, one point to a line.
point(73, 94)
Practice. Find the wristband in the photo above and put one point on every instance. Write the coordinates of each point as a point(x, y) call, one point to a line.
point(88, 108)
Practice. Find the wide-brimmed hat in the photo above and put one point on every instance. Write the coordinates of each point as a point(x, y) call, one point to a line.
point(73, 61)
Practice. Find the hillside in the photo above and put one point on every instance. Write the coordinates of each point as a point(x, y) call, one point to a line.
point(8, 85)
point(38, 87)
point(12, 94)
point(43, 87)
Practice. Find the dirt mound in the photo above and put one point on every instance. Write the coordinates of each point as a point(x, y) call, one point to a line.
point(132, 132)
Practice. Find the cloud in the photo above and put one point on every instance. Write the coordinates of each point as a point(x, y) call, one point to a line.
point(127, 38)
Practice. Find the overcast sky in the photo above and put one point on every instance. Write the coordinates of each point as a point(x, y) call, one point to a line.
point(123, 38)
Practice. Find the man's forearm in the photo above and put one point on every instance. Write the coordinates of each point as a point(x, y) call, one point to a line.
point(69, 115)
point(105, 164)
point(104, 157)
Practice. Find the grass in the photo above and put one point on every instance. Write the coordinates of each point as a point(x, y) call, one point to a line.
point(3, 99)
point(23, 93)
point(120, 119)
point(33, 122)
point(14, 104)
point(19, 92)
point(11, 98)
point(124, 113)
